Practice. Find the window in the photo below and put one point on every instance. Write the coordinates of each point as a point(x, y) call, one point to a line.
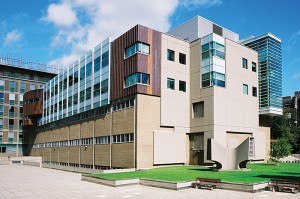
point(21, 99)
point(2, 84)
point(1, 97)
point(96, 89)
point(213, 49)
point(102, 140)
point(182, 86)
point(170, 55)
point(22, 87)
point(1, 110)
point(245, 63)
point(137, 78)
point(104, 86)
point(88, 93)
point(245, 89)
point(87, 141)
point(1, 123)
point(10, 136)
point(182, 58)
point(170, 84)
point(213, 79)
point(12, 85)
point(11, 110)
point(254, 91)
point(253, 66)
point(1, 136)
point(123, 138)
point(32, 87)
point(20, 136)
point(198, 109)
point(137, 47)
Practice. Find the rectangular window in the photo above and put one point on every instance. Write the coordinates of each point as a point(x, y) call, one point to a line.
point(1, 136)
point(102, 140)
point(12, 98)
point(20, 136)
point(32, 87)
point(245, 63)
point(1, 110)
point(170, 55)
point(22, 87)
point(104, 86)
point(12, 85)
point(198, 109)
point(254, 91)
point(21, 99)
point(182, 58)
point(1, 123)
point(1, 97)
point(2, 84)
point(245, 89)
point(170, 84)
point(137, 78)
point(253, 66)
point(88, 93)
point(138, 47)
point(96, 89)
point(10, 136)
point(182, 86)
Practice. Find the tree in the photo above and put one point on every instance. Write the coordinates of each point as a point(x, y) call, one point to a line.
point(281, 149)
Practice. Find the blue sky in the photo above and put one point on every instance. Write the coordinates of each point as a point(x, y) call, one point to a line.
point(57, 32)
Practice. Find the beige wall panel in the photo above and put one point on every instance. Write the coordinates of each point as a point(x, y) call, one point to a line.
point(102, 155)
point(148, 120)
point(102, 125)
point(179, 116)
point(63, 154)
point(55, 154)
point(123, 121)
point(46, 153)
point(55, 135)
point(123, 155)
point(75, 132)
point(63, 134)
point(87, 129)
point(86, 155)
point(74, 154)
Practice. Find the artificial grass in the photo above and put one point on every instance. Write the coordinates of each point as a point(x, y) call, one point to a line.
point(260, 172)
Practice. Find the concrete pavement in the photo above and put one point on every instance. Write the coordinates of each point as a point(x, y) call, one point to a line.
point(27, 182)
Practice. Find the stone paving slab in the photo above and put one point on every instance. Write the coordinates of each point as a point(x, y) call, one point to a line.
point(27, 182)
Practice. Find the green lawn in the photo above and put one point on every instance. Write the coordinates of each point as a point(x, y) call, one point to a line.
point(259, 173)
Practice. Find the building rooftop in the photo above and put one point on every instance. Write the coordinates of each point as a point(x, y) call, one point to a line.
point(253, 38)
point(31, 65)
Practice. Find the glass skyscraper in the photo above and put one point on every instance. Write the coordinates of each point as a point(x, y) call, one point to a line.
point(268, 47)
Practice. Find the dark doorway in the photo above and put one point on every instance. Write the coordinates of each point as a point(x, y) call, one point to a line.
point(196, 148)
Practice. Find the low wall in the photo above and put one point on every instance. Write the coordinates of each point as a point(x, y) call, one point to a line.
point(26, 160)
point(83, 170)
point(108, 182)
point(252, 188)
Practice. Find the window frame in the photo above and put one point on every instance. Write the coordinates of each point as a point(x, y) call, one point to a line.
point(170, 80)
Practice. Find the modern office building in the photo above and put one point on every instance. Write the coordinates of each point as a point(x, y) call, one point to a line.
point(16, 78)
point(268, 47)
point(149, 98)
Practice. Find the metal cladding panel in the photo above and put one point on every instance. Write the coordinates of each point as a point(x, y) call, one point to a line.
point(149, 64)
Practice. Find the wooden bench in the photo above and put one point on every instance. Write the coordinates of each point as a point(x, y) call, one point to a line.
point(206, 182)
point(285, 185)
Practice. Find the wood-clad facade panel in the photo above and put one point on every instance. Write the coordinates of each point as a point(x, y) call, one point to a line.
point(149, 64)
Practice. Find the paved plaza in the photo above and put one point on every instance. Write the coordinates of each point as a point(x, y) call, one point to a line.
point(18, 181)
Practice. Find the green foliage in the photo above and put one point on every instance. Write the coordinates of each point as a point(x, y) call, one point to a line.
point(258, 173)
point(282, 127)
point(281, 149)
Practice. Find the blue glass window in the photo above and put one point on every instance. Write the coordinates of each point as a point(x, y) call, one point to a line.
point(137, 78)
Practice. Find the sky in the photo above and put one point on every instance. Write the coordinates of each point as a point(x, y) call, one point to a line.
point(58, 32)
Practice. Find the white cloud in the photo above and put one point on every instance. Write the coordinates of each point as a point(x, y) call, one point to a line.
point(296, 76)
point(200, 3)
point(12, 38)
point(293, 40)
point(82, 24)
point(61, 15)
